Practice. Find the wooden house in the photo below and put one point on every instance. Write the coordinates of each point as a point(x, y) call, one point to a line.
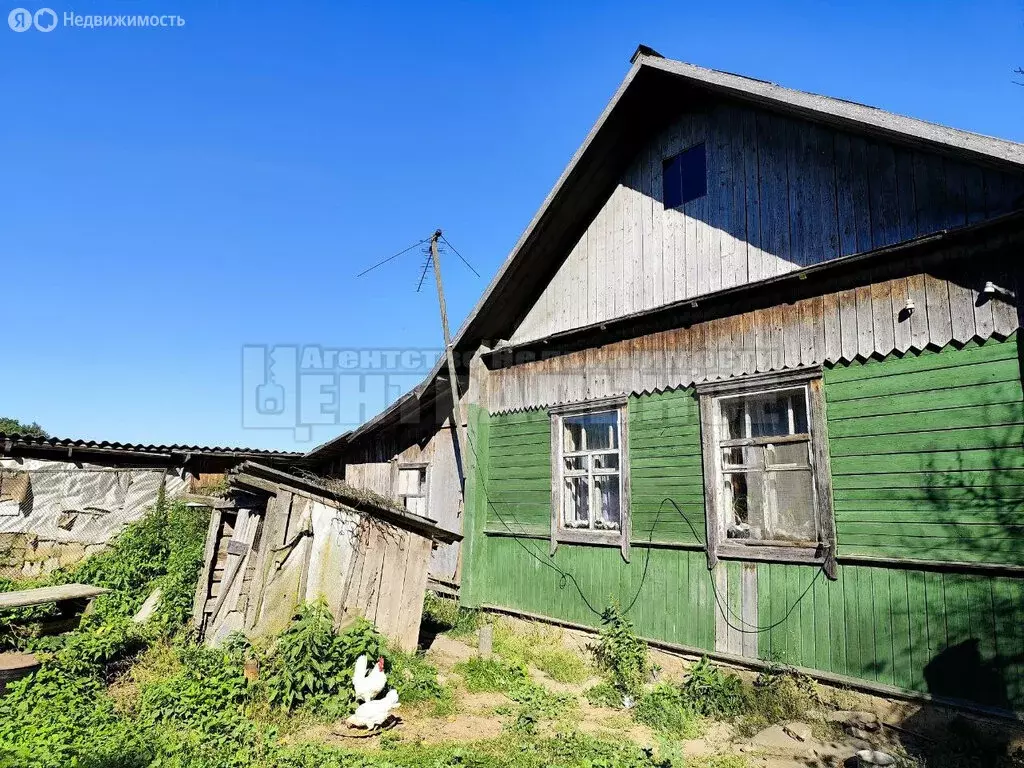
point(752, 371)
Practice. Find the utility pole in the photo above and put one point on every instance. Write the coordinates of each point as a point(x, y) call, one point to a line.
point(460, 433)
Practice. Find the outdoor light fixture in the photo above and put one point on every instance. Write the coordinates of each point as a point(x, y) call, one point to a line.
point(990, 288)
point(909, 307)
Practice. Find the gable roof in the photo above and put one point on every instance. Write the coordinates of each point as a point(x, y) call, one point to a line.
point(645, 101)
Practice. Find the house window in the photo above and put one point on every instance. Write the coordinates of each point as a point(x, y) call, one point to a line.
point(589, 498)
point(685, 176)
point(412, 487)
point(767, 487)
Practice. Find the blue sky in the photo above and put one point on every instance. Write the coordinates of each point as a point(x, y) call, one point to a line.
point(171, 195)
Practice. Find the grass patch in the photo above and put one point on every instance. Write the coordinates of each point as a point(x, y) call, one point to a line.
point(490, 675)
point(604, 694)
point(776, 697)
point(540, 646)
point(445, 615)
point(536, 704)
point(668, 710)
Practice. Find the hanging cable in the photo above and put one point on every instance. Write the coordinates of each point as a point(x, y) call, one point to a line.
point(565, 577)
point(390, 258)
point(452, 247)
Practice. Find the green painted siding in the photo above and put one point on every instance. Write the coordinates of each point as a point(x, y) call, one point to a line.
point(675, 604)
point(927, 462)
point(519, 473)
point(927, 459)
point(951, 634)
point(665, 463)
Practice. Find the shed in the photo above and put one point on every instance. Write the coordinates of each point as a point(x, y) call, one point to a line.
point(63, 499)
point(283, 539)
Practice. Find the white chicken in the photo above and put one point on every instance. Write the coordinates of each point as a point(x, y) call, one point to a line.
point(373, 714)
point(368, 684)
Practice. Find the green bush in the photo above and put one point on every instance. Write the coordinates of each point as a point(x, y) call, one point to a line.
point(667, 709)
point(310, 663)
point(711, 692)
point(620, 653)
point(604, 694)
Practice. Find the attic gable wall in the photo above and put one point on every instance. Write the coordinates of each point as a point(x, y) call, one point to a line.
point(782, 194)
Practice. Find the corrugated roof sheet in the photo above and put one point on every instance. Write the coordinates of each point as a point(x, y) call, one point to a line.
point(105, 445)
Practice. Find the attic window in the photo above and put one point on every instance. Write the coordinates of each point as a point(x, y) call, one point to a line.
point(685, 176)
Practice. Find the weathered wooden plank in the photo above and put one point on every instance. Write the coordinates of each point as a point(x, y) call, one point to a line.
point(791, 335)
point(387, 611)
point(24, 598)
point(955, 209)
point(203, 585)
point(919, 316)
point(961, 308)
point(656, 263)
point(413, 586)
point(721, 577)
point(853, 198)
point(808, 327)
point(762, 341)
point(773, 198)
point(833, 338)
point(826, 199)
point(940, 328)
point(756, 260)
point(671, 225)
point(929, 192)
point(777, 338)
point(734, 226)
point(748, 344)
point(800, 159)
point(901, 318)
point(635, 233)
point(865, 322)
point(748, 646)
point(883, 195)
point(882, 317)
point(905, 193)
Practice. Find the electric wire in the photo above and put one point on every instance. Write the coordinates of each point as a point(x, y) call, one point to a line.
point(390, 258)
point(445, 241)
point(565, 577)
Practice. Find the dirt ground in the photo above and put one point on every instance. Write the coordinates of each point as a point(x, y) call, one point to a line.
point(825, 740)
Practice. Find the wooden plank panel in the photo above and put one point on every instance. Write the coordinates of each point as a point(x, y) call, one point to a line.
point(901, 317)
point(865, 323)
point(757, 262)
point(940, 326)
point(883, 195)
point(848, 324)
point(854, 218)
point(883, 317)
point(919, 317)
point(773, 198)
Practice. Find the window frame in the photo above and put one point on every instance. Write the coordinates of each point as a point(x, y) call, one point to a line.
point(821, 552)
point(424, 494)
point(666, 165)
point(560, 534)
